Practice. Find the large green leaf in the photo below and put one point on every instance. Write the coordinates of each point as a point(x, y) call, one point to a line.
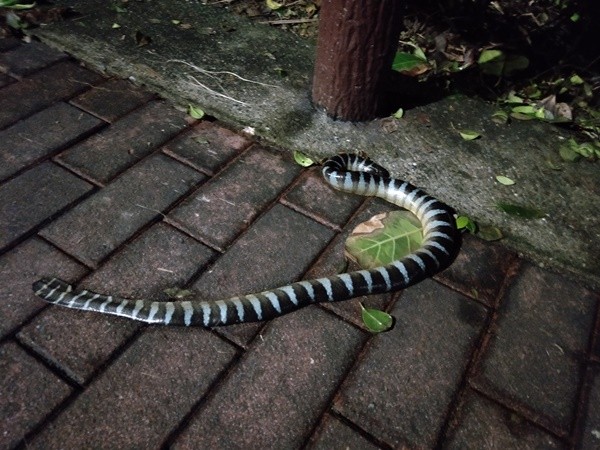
point(384, 238)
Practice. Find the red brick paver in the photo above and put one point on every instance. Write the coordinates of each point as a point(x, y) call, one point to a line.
point(130, 139)
point(485, 424)
point(226, 205)
point(96, 227)
point(29, 393)
point(158, 259)
point(136, 385)
point(114, 190)
point(27, 201)
point(546, 321)
point(207, 147)
point(284, 383)
point(22, 60)
point(42, 135)
point(318, 200)
point(19, 269)
point(398, 379)
point(591, 419)
point(43, 88)
point(335, 433)
point(112, 99)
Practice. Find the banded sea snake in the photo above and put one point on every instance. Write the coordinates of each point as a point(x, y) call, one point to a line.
point(349, 173)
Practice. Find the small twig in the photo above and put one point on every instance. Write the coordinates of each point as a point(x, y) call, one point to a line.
point(226, 201)
point(218, 1)
point(287, 5)
point(288, 21)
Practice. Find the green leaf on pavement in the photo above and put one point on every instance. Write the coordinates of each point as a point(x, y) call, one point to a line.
point(384, 238)
point(302, 160)
point(469, 135)
point(375, 320)
point(195, 112)
point(504, 180)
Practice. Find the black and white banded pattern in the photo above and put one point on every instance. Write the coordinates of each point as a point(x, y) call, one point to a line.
point(349, 173)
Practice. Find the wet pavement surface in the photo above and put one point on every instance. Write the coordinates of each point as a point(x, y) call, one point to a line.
point(116, 190)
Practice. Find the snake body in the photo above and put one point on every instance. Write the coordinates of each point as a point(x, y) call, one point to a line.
point(346, 172)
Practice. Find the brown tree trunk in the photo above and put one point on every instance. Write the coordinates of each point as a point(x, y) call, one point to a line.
point(355, 50)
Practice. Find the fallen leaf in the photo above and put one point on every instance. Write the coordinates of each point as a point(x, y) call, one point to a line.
point(500, 117)
point(399, 114)
point(384, 238)
point(464, 222)
point(563, 112)
point(504, 180)
point(389, 125)
point(177, 293)
point(576, 79)
point(489, 233)
point(568, 154)
point(409, 64)
point(496, 62)
point(195, 112)
point(302, 160)
point(469, 135)
point(375, 320)
point(273, 5)
point(524, 212)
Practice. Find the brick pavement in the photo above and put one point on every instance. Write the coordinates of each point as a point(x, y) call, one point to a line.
point(116, 190)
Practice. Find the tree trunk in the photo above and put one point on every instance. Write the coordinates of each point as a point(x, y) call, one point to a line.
point(356, 47)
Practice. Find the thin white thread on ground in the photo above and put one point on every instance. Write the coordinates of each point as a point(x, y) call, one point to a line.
point(213, 74)
point(218, 94)
point(220, 72)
